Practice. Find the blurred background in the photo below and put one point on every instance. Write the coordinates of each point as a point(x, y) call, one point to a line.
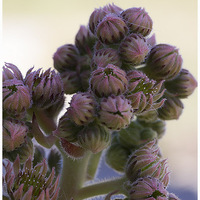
point(33, 30)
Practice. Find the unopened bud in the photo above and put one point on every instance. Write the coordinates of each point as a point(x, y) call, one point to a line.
point(138, 20)
point(172, 197)
point(115, 112)
point(108, 80)
point(148, 134)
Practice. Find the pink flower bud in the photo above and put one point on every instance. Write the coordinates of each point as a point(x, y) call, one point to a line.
point(163, 62)
point(66, 58)
point(138, 20)
point(183, 85)
point(16, 97)
point(172, 197)
point(108, 80)
point(11, 71)
point(82, 108)
point(115, 112)
point(133, 49)
point(172, 109)
point(94, 137)
point(143, 92)
point(14, 134)
point(106, 56)
point(112, 29)
point(46, 87)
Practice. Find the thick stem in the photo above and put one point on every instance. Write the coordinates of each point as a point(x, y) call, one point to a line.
point(101, 188)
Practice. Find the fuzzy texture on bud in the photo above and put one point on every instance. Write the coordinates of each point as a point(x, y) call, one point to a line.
point(183, 85)
point(16, 97)
point(85, 40)
point(65, 58)
point(29, 182)
point(106, 56)
point(46, 87)
point(82, 108)
point(148, 188)
point(115, 112)
point(11, 71)
point(94, 137)
point(143, 92)
point(98, 14)
point(108, 80)
point(138, 20)
point(146, 162)
point(172, 109)
point(133, 49)
point(112, 29)
point(14, 134)
point(67, 129)
point(148, 116)
point(163, 62)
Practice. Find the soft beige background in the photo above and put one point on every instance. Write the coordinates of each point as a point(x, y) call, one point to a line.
point(34, 29)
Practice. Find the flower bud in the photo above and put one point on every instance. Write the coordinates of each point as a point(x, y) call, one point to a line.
point(183, 85)
point(11, 71)
point(163, 62)
point(106, 56)
point(145, 161)
point(116, 157)
point(115, 112)
point(82, 108)
point(16, 97)
point(151, 41)
point(143, 92)
point(133, 49)
point(94, 138)
point(108, 80)
point(112, 29)
point(46, 87)
point(148, 188)
point(130, 137)
point(14, 134)
point(138, 20)
point(148, 116)
point(147, 134)
point(71, 82)
point(172, 197)
point(65, 58)
point(172, 109)
point(74, 151)
point(30, 182)
point(98, 14)
point(67, 129)
point(84, 40)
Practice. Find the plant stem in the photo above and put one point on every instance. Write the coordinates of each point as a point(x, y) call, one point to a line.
point(101, 188)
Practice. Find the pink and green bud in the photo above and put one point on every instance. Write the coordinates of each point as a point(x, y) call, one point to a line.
point(16, 97)
point(148, 116)
point(163, 62)
point(94, 138)
point(172, 109)
point(115, 112)
point(85, 40)
point(134, 49)
point(183, 85)
point(82, 108)
point(11, 71)
point(148, 188)
point(143, 92)
point(172, 197)
point(112, 29)
point(109, 80)
point(29, 182)
point(14, 134)
point(138, 20)
point(151, 41)
point(106, 56)
point(98, 14)
point(71, 82)
point(148, 134)
point(66, 58)
point(74, 151)
point(46, 87)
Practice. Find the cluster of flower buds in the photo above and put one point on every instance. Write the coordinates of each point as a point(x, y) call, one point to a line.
point(30, 182)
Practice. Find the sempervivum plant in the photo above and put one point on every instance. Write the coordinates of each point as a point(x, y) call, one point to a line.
point(123, 86)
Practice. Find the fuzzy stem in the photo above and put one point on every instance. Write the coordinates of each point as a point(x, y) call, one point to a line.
point(101, 188)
